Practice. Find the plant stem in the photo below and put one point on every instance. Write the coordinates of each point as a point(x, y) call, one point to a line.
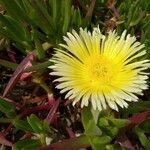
point(8, 64)
point(40, 81)
point(43, 139)
point(35, 109)
point(39, 66)
point(52, 112)
point(70, 144)
point(5, 120)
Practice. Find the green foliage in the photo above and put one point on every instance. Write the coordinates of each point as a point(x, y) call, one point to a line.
point(89, 123)
point(37, 125)
point(98, 142)
point(145, 142)
point(133, 13)
point(38, 26)
point(141, 132)
point(108, 128)
point(32, 124)
point(26, 144)
point(38, 46)
point(132, 109)
point(136, 19)
point(145, 126)
point(22, 125)
point(38, 22)
point(102, 132)
point(7, 108)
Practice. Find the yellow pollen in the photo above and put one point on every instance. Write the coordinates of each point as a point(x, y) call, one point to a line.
point(100, 71)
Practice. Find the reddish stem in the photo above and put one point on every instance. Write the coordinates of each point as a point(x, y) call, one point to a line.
point(138, 118)
point(11, 55)
point(70, 132)
point(36, 99)
point(70, 144)
point(7, 130)
point(4, 141)
point(52, 112)
point(35, 109)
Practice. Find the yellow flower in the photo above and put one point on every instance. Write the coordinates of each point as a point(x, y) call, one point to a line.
point(104, 70)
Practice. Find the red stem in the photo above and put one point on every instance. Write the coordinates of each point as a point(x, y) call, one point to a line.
point(35, 109)
point(70, 132)
point(138, 119)
point(52, 112)
point(4, 141)
point(70, 144)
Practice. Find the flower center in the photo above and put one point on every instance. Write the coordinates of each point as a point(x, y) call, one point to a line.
point(100, 71)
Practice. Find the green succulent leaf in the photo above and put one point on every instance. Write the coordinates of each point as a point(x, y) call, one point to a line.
point(99, 142)
point(26, 144)
point(22, 125)
point(12, 5)
point(132, 109)
point(39, 66)
point(8, 64)
point(113, 147)
point(119, 123)
point(7, 108)
point(145, 126)
point(67, 16)
point(38, 46)
point(14, 26)
point(143, 138)
point(103, 122)
point(88, 122)
point(35, 123)
point(46, 127)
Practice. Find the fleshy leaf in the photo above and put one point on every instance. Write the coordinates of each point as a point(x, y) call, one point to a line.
point(18, 72)
point(26, 144)
point(89, 123)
